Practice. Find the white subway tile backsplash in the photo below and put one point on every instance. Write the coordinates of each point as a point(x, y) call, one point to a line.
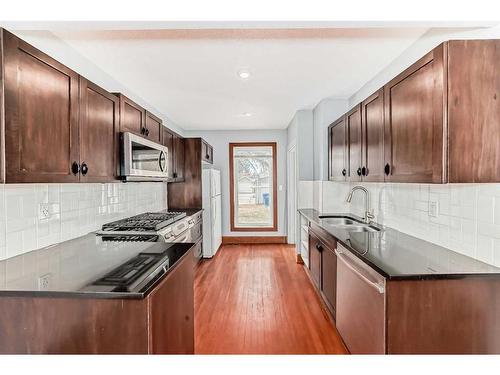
point(74, 210)
point(467, 221)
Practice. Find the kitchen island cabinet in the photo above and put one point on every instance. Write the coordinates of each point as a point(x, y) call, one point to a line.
point(158, 321)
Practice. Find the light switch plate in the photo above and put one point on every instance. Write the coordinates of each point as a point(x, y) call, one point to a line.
point(44, 282)
point(433, 209)
point(43, 211)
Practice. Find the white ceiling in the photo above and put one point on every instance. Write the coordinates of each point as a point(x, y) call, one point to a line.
point(191, 75)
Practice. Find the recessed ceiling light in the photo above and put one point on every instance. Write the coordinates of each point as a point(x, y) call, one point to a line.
point(244, 73)
point(245, 114)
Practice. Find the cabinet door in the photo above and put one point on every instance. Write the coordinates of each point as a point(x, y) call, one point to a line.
point(132, 117)
point(372, 111)
point(168, 142)
point(315, 248)
point(178, 158)
point(329, 278)
point(99, 151)
point(414, 106)
point(354, 143)
point(41, 115)
point(153, 127)
point(337, 150)
point(474, 110)
point(172, 311)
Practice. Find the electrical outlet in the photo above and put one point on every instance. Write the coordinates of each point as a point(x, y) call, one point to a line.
point(43, 211)
point(44, 282)
point(433, 209)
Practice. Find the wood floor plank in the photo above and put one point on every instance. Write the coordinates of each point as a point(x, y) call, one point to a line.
point(255, 299)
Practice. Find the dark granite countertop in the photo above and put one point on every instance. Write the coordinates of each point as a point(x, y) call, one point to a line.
point(74, 265)
point(399, 256)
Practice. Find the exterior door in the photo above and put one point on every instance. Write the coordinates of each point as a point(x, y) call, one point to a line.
point(354, 143)
point(414, 107)
point(41, 115)
point(373, 137)
point(99, 136)
point(337, 150)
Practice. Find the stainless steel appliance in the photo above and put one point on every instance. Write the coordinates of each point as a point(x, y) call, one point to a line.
point(360, 317)
point(157, 226)
point(143, 160)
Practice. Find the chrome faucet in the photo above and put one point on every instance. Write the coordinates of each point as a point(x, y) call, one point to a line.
point(368, 213)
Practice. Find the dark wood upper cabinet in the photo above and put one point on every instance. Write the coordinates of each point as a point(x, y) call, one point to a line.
point(99, 149)
point(474, 110)
point(41, 115)
point(415, 147)
point(178, 158)
point(154, 128)
point(207, 152)
point(372, 118)
point(354, 143)
point(132, 116)
point(337, 147)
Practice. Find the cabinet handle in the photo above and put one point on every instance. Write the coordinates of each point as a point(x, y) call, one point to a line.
point(364, 171)
point(359, 171)
point(387, 169)
point(143, 130)
point(75, 168)
point(344, 172)
point(85, 169)
point(147, 132)
point(319, 247)
point(175, 175)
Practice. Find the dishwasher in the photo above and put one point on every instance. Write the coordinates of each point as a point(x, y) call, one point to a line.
point(360, 304)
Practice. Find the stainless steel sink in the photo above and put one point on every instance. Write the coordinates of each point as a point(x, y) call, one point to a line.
point(339, 221)
point(349, 224)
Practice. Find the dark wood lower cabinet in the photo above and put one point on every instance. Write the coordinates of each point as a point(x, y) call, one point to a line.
point(163, 322)
point(315, 249)
point(329, 278)
point(323, 265)
point(456, 315)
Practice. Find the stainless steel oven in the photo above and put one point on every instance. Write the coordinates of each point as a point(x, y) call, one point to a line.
point(143, 160)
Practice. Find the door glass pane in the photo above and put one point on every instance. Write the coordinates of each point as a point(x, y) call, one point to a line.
point(253, 185)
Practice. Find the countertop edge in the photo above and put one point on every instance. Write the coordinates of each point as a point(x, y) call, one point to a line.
point(395, 278)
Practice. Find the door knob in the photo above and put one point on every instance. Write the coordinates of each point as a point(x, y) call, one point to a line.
point(387, 169)
point(75, 168)
point(85, 169)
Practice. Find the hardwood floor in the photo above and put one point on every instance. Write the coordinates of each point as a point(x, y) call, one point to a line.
point(255, 299)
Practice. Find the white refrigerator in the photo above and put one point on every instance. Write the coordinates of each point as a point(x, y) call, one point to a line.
point(212, 212)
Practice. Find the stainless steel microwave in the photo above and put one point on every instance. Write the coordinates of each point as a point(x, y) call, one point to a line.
point(143, 160)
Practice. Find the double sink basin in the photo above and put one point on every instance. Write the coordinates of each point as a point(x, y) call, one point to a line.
point(349, 224)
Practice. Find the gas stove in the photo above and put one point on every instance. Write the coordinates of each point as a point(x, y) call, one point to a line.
point(147, 222)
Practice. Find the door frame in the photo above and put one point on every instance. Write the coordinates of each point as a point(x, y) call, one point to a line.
point(291, 193)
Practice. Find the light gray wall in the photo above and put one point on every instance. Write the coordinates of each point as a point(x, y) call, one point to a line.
point(220, 140)
point(427, 42)
point(327, 111)
point(61, 51)
point(300, 133)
